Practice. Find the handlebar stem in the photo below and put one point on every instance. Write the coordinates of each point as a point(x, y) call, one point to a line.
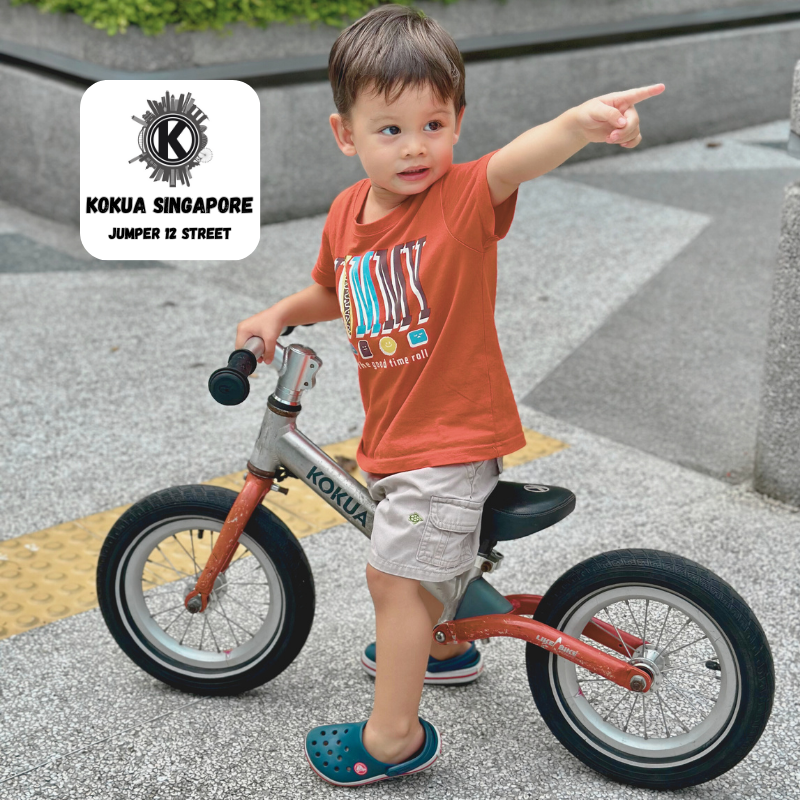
point(297, 372)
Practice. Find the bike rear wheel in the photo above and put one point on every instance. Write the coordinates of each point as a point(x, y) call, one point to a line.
point(260, 610)
point(713, 684)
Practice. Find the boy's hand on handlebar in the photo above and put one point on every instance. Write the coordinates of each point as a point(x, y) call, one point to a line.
point(264, 324)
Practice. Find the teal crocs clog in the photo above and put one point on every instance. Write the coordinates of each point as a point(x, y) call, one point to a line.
point(337, 754)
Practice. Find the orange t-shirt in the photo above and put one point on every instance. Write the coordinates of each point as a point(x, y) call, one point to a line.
point(417, 291)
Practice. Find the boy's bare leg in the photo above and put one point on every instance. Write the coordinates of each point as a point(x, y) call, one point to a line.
point(434, 608)
point(393, 732)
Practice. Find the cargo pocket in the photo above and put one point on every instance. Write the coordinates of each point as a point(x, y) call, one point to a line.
point(450, 532)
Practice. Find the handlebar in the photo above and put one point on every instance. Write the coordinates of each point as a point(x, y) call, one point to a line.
point(229, 385)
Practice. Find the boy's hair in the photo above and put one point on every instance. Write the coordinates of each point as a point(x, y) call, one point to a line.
point(389, 48)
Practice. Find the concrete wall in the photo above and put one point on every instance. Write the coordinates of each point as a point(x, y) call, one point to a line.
point(714, 82)
point(69, 35)
point(777, 468)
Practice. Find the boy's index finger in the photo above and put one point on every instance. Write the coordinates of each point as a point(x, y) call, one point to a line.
point(624, 100)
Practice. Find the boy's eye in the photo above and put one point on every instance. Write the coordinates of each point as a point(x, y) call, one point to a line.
point(438, 127)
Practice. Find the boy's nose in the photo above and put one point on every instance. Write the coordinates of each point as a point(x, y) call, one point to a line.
point(414, 147)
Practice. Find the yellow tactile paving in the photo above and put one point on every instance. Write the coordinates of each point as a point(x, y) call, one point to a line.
point(50, 574)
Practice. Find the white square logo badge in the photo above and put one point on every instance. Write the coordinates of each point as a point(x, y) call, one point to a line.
point(170, 170)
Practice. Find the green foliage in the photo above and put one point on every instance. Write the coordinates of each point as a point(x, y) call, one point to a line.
point(114, 16)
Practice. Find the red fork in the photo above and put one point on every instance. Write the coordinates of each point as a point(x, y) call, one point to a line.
point(254, 491)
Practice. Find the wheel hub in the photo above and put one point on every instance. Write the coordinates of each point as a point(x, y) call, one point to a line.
point(220, 589)
point(646, 657)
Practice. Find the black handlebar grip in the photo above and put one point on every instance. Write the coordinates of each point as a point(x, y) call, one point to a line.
point(229, 385)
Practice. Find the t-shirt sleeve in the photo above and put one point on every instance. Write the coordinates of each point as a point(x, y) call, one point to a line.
point(323, 271)
point(467, 205)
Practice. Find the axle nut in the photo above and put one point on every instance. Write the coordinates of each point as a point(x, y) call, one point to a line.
point(638, 683)
point(440, 637)
point(195, 604)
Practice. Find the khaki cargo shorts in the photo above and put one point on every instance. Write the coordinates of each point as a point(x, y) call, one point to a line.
point(428, 521)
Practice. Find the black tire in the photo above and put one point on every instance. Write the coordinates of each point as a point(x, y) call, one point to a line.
point(266, 544)
point(729, 730)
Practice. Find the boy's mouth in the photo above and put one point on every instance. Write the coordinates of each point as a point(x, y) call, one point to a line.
point(416, 172)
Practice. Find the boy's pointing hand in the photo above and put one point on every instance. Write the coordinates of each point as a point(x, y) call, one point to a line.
point(612, 118)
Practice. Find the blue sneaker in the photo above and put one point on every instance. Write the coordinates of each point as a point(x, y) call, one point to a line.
point(460, 669)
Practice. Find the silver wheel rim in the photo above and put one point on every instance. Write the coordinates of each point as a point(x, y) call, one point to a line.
point(244, 616)
point(690, 706)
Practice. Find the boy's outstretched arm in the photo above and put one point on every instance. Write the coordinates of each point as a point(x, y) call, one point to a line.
point(611, 118)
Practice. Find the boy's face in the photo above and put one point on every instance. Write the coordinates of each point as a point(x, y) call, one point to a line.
point(415, 130)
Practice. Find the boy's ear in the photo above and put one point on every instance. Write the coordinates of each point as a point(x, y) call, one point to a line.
point(457, 131)
point(343, 136)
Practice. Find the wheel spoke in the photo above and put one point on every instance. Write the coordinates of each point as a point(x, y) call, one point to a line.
point(633, 705)
point(685, 692)
point(644, 715)
point(707, 673)
point(676, 635)
point(227, 620)
point(239, 558)
point(646, 606)
point(621, 698)
point(674, 714)
point(661, 632)
point(186, 551)
point(619, 636)
point(151, 593)
point(250, 633)
point(600, 693)
point(179, 571)
point(164, 566)
point(194, 560)
point(663, 716)
point(638, 629)
point(691, 663)
point(700, 639)
point(251, 571)
point(203, 632)
point(211, 631)
point(246, 608)
point(171, 608)
point(237, 583)
point(191, 620)
point(174, 618)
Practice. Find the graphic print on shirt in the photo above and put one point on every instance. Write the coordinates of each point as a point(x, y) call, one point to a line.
point(376, 292)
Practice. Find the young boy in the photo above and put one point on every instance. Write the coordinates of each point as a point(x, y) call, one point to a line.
point(409, 261)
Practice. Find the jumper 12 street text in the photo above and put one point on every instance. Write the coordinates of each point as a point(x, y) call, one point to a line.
point(169, 233)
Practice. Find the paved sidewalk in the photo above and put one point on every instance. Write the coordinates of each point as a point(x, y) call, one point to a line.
point(645, 279)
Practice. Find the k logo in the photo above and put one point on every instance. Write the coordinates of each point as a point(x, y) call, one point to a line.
point(172, 140)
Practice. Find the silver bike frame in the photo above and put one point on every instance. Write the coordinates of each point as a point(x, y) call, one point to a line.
point(280, 444)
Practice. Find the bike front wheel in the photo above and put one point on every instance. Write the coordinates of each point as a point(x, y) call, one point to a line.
point(259, 612)
point(713, 676)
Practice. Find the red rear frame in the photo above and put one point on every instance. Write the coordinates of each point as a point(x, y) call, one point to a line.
point(513, 624)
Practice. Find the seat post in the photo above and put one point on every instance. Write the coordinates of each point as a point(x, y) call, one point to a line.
point(486, 547)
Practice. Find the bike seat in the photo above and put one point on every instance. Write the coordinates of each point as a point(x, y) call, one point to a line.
point(514, 510)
